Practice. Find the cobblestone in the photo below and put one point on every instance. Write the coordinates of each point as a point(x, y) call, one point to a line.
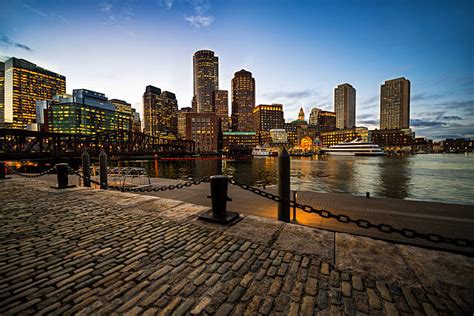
point(85, 251)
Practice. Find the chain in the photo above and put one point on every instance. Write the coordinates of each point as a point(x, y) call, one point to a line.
point(31, 175)
point(147, 188)
point(384, 228)
point(186, 184)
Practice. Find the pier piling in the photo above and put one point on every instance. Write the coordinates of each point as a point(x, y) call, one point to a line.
point(86, 168)
point(103, 170)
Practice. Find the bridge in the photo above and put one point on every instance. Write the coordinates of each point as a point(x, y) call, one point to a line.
point(24, 144)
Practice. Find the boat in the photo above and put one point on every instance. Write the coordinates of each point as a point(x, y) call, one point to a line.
point(265, 151)
point(357, 147)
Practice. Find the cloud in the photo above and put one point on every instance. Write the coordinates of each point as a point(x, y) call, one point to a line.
point(425, 96)
point(298, 94)
point(201, 17)
point(167, 3)
point(426, 123)
point(7, 41)
point(105, 6)
point(200, 20)
point(451, 118)
point(367, 122)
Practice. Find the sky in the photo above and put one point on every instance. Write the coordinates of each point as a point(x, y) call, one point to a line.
point(298, 51)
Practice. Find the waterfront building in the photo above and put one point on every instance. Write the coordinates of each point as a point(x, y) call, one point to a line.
point(292, 133)
point(24, 84)
point(85, 112)
point(203, 129)
point(278, 136)
point(345, 106)
point(324, 120)
point(206, 80)
point(423, 145)
point(124, 114)
point(395, 104)
point(2, 93)
point(457, 145)
point(267, 117)
point(182, 121)
point(345, 135)
point(136, 122)
point(243, 101)
point(239, 142)
point(221, 106)
point(160, 112)
point(393, 140)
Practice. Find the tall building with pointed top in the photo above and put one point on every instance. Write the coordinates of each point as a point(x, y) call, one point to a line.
point(206, 80)
point(301, 115)
point(345, 106)
point(243, 101)
point(395, 104)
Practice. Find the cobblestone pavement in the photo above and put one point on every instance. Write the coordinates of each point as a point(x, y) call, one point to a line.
point(95, 252)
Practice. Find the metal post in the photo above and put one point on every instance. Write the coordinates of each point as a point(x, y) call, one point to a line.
point(62, 170)
point(103, 170)
point(2, 170)
point(219, 198)
point(284, 186)
point(295, 195)
point(86, 168)
point(367, 195)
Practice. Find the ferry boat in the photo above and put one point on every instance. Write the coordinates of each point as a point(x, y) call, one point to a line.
point(357, 147)
point(265, 151)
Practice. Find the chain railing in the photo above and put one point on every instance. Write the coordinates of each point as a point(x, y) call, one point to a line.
point(30, 175)
point(346, 219)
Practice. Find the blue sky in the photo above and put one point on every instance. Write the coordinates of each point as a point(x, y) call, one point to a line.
point(298, 51)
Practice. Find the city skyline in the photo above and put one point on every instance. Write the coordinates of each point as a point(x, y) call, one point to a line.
point(442, 88)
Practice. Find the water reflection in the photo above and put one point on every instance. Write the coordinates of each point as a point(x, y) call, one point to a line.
point(446, 178)
point(394, 177)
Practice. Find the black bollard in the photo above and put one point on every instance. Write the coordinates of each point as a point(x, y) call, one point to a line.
point(3, 171)
point(219, 198)
point(62, 170)
point(295, 195)
point(284, 186)
point(103, 170)
point(86, 168)
point(367, 195)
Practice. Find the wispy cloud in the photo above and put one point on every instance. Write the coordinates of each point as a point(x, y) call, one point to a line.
point(105, 6)
point(49, 16)
point(200, 20)
point(298, 94)
point(201, 16)
point(426, 96)
point(117, 10)
point(167, 3)
point(5, 40)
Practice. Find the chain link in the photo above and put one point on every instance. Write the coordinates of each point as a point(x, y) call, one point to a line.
point(31, 175)
point(342, 218)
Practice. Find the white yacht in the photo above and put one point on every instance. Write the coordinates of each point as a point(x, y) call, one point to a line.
point(357, 147)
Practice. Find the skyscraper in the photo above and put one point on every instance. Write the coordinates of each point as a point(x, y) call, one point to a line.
point(344, 106)
point(2, 92)
point(206, 80)
point(395, 104)
point(323, 120)
point(160, 112)
point(24, 84)
point(221, 106)
point(243, 101)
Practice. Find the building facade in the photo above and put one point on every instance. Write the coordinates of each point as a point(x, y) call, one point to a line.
point(136, 122)
point(206, 80)
point(267, 117)
point(243, 101)
point(324, 120)
point(160, 112)
point(345, 106)
point(345, 135)
point(86, 112)
point(239, 142)
point(392, 139)
point(221, 106)
point(203, 128)
point(182, 121)
point(24, 84)
point(124, 112)
point(395, 104)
